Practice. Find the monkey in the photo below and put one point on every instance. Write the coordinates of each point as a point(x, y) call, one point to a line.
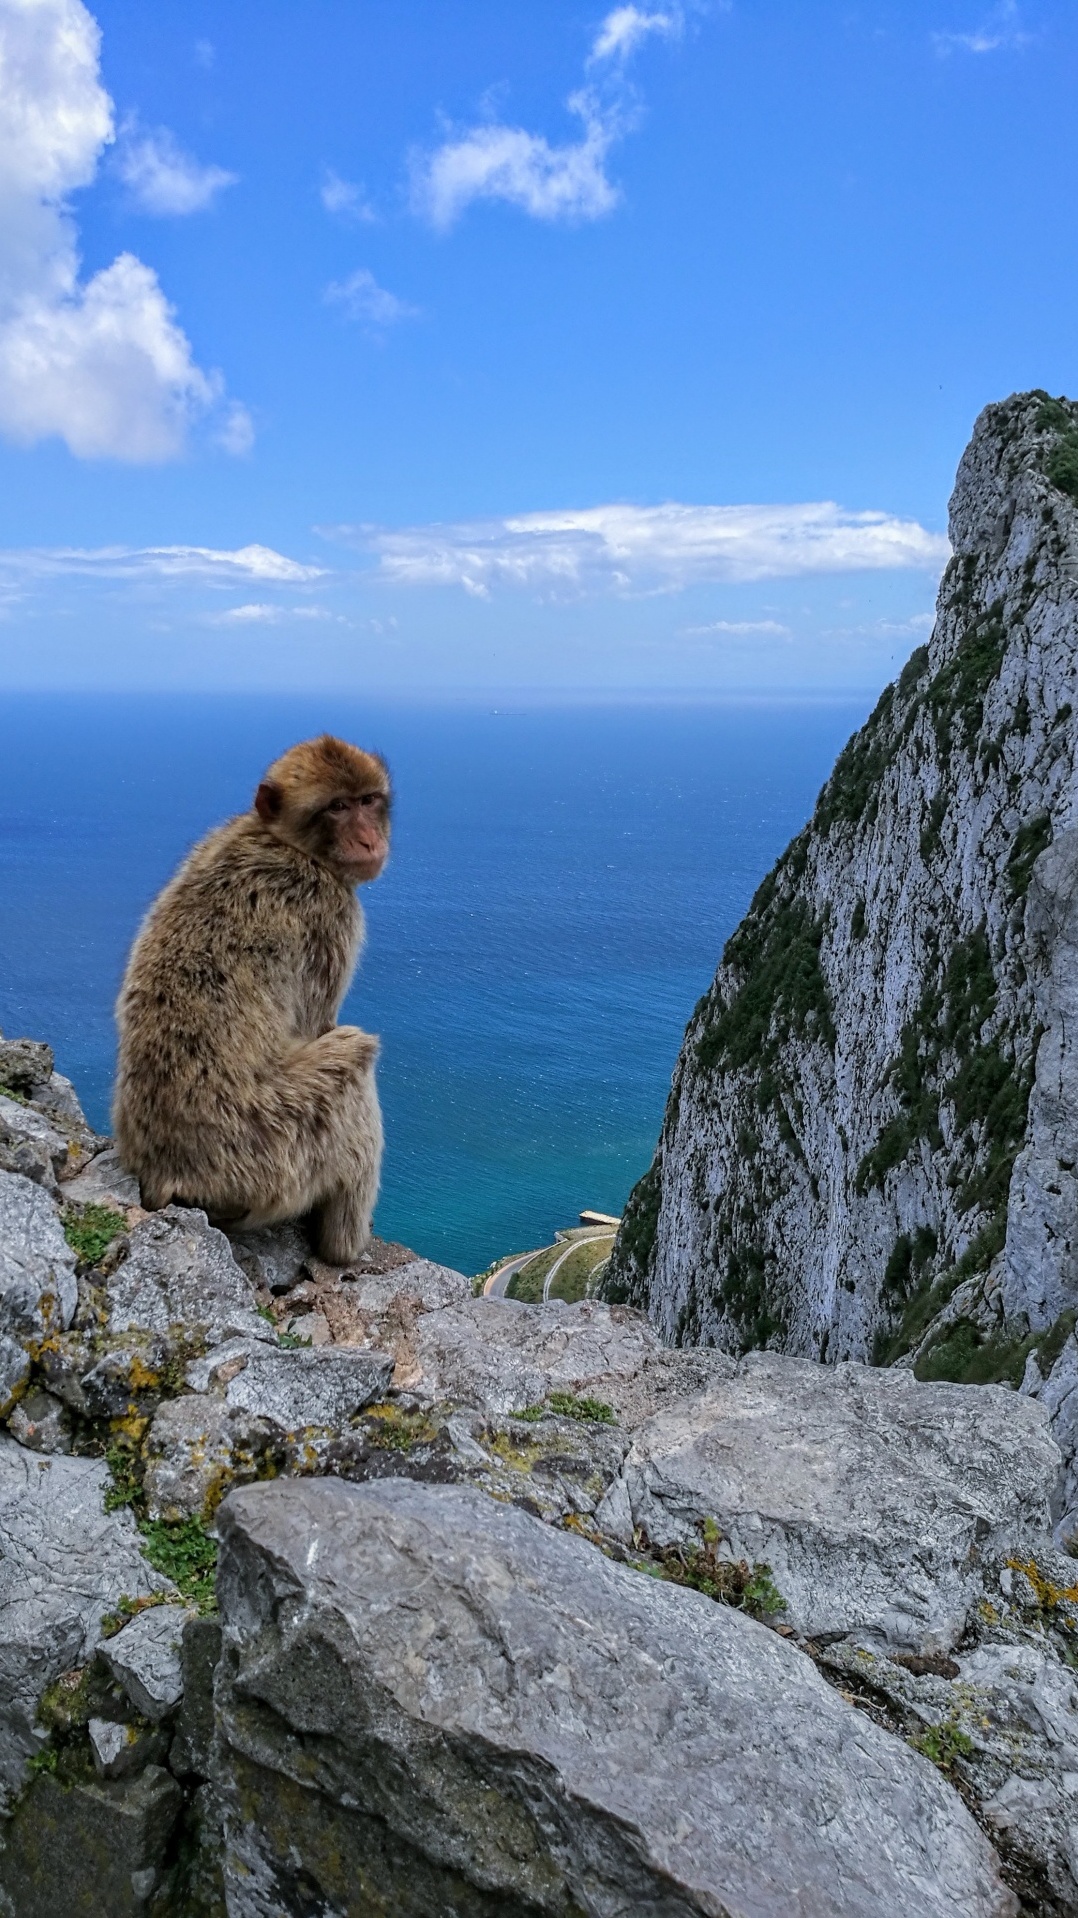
point(236, 1090)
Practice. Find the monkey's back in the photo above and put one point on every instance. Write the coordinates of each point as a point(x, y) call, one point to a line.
point(246, 954)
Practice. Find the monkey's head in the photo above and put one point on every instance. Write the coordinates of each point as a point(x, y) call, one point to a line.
point(332, 801)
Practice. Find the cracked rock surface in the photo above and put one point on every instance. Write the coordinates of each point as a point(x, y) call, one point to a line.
point(460, 1727)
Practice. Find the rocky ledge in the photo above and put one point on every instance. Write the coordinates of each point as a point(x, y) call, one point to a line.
point(340, 1591)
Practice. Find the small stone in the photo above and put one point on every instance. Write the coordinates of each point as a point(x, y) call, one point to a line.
point(25, 1065)
point(200, 1651)
point(306, 1387)
point(38, 1291)
point(145, 1659)
point(198, 1448)
point(104, 1182)
point(312, 1327)
point(90, 1850)
point(271, 1255)
point(119, 1750)
point(40, 1422)
point(180, 1271)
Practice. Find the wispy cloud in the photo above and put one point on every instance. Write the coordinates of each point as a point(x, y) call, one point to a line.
point(640, 549)
point(739, 627)
point(263, 614)
point(345, 199)
point(372, 305)
point(162, 562)
point(1000, 31)
point(523, 169)
point(103, 363)
point(546, 180)
point(162, 178)
point(625, 27)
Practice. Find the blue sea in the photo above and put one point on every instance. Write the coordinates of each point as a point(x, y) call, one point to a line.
point(561, 885)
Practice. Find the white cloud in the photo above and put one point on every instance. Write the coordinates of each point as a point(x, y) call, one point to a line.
point(345, 199)
point(523, 169)
point(738, 627)
point(492, 161)
point(1000, 31)
point(632, 549)
point(165, 562)
point(625, 27)
point(101, 364)
point(165, 180)
point(373, 305)
point(261, 614)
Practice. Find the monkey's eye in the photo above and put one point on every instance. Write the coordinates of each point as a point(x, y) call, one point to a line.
point(337, 805)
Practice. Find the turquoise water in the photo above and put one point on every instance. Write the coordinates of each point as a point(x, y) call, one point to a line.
point(561, 886)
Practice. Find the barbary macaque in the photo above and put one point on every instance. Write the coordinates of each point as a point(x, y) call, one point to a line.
point(236, 1090)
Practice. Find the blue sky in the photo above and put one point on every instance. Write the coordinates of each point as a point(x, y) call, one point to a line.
point(398, 346)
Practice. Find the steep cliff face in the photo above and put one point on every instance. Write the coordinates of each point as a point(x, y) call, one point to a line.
point(851, 1164)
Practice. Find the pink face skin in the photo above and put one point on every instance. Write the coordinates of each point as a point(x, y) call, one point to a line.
point(361, 835)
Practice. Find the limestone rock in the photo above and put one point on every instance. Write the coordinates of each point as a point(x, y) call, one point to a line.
point(272, 1256)
point(299, 1388)
point(1058, 1393)
point(180, 1270)
point(440, 1682)
point(40, 1422)
point(877, 1502)
point(38, 1292)
point(197, 1448)
point(104, 1182)
point(118, 1750)
point(851, 1095)
point(145, 1659)
point(25, 1065)
point(1041, 1269)
point(90, 1850)
point(1003, 1712)
point(502, 1357)
point(200, 1652)
point(64, 1562)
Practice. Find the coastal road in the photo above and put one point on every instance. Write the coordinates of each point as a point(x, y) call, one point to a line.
point(571, 1247)
point(497, 1282)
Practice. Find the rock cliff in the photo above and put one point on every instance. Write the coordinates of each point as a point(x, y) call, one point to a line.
point(333, 1591)
point(870, 1149)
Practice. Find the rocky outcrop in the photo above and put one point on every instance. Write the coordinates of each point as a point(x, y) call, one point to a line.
point(520, 1608)
point(459, 1740)
point(871, 1142)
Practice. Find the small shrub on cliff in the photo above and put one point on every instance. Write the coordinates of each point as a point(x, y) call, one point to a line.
point(90, 1230)
point(943, 1744)
point(734, 1582)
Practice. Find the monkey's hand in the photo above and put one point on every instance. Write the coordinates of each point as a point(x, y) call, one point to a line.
point(359, 1048)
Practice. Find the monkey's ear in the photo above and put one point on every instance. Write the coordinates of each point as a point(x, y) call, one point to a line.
point(268, 801)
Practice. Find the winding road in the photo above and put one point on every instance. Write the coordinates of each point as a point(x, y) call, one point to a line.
point(495, 1286)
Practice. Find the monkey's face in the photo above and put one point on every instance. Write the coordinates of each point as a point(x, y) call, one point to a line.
point(332, 801)
point(356, 835)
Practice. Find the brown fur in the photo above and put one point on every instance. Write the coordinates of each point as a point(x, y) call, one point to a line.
point(236, 1090)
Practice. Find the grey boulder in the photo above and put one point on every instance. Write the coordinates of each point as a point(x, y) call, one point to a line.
point(502, 1357)
point(104, 1182)
point(180, 1271)
point(88, 1850)
point(422, 1707)
point(876, 1501)
point(64, 1562)
point(197, 1449)
point(144, 1658)
point(304, 1387)
point(38, 1289)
